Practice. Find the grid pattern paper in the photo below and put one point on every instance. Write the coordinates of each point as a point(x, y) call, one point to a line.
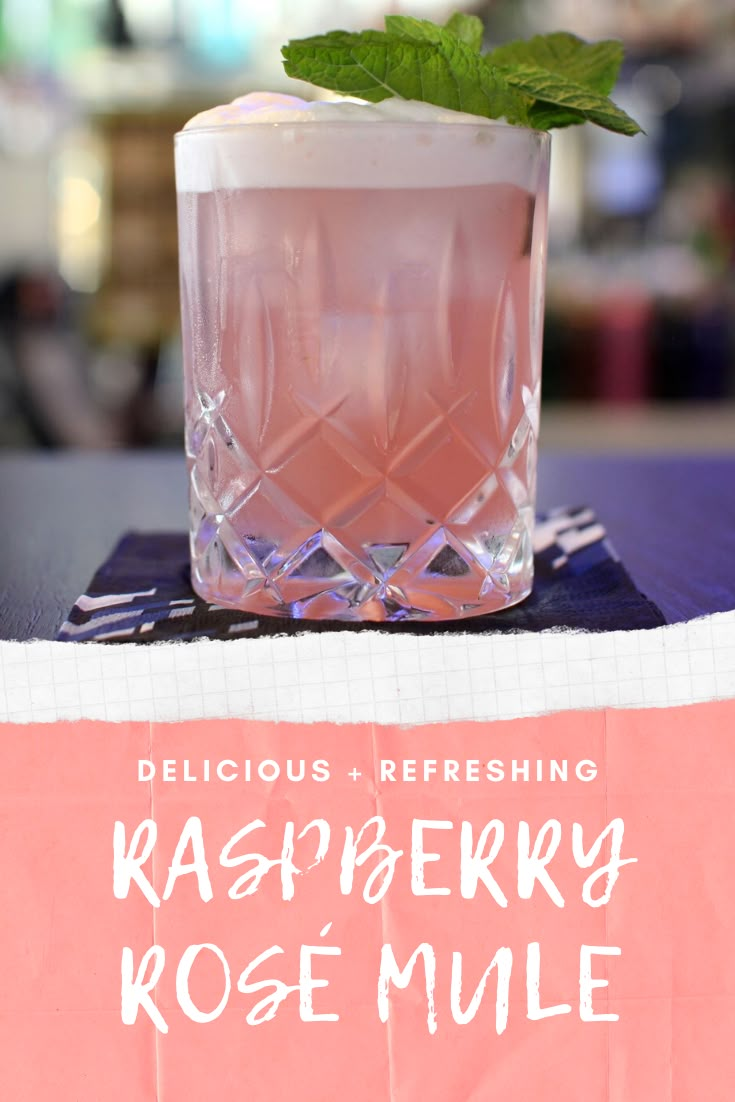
point(370, 677)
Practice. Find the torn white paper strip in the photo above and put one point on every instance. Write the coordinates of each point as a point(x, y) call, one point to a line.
point(347, 677)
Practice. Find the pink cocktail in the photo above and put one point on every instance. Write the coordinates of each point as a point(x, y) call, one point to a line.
point(362, 312)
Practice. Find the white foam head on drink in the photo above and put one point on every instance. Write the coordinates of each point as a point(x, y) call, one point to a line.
point(217, 152)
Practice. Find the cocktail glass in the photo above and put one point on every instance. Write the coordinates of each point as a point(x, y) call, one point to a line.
point(362, 309)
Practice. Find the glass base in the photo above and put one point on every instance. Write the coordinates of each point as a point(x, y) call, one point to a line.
point(443, 579)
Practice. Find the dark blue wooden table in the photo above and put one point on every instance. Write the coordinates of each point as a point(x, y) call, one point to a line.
point(671, 519)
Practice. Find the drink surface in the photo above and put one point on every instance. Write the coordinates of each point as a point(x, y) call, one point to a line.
point(362, 373)
point(264, 140)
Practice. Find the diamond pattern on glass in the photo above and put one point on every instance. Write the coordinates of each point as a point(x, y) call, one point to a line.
point(361, 428)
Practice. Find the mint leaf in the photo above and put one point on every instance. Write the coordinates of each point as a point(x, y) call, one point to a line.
point(420, 30)
point(594, 65)
point(549, 81)
point(375, 65)
point(547, 88)
point(468, 28)
point(546, 116)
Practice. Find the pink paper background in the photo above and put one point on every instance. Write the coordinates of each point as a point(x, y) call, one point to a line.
point(670, 774)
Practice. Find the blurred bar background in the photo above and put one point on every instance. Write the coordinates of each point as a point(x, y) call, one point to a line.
point(640, 325)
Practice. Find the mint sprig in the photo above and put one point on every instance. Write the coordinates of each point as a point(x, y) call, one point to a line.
point(375, 65)
point(593, 66)
point(547, 81)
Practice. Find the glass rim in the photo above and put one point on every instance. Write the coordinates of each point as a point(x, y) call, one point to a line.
point(358, 124)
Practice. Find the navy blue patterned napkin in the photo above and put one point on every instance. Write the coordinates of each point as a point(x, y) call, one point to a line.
point(143, 594)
